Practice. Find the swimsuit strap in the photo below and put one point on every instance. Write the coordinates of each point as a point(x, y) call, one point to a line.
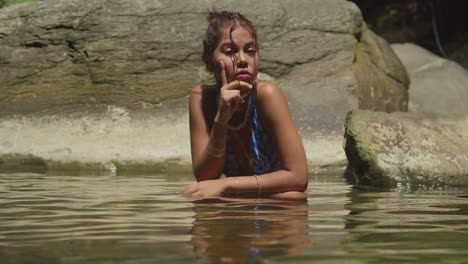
point(264, 153)
point(265, 157)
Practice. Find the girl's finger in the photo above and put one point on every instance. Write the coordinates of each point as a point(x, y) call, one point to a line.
point(197, 195)
point(239, 98)
point(244, 93)
point(192, 188)
point(232, 96)
point(223, 73)
point(238, 85)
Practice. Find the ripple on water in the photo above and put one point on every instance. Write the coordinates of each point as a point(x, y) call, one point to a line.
point(40, 208)
point(85, 218)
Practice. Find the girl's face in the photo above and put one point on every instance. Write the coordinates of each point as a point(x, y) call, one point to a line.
point(239, 54)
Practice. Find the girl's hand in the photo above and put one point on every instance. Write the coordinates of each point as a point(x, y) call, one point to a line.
point(231, 97)
point(210, 188)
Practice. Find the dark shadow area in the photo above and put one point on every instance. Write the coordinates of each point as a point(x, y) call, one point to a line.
point(439, 26)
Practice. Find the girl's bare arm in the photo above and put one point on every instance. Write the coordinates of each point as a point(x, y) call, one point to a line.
point(293, 177)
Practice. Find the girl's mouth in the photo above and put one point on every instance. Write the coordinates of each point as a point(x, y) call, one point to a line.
point(244, 75)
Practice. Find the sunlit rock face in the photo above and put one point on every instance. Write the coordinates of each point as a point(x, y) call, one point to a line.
point(388, 149)
point(64, 64)
point(427, 145)
point(439, 87)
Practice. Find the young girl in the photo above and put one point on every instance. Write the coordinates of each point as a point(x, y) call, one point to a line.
point(241, 127)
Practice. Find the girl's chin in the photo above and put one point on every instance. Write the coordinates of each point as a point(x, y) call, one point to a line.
point(249, 80)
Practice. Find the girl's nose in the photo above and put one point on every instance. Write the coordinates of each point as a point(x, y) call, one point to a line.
point(241, 58)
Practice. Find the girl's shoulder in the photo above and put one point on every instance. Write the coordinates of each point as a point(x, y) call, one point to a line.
point(271, 104)
point(204, 89)
point(268, 91)
point(203, 98)
point(204, 94)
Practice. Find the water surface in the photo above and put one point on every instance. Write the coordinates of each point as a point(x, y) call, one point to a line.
point(143, 219)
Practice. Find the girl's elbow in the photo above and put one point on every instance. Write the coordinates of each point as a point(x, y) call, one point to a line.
point(303, 180)
point(301, 173)
point(197, 172)
point(300, 182)
point(202, 174)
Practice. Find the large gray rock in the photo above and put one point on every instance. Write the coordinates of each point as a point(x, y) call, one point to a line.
point(69, 67)
point(439, 87)
point(387, 150)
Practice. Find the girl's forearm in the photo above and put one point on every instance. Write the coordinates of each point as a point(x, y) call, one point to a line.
point(266, 184)
point(210, 164)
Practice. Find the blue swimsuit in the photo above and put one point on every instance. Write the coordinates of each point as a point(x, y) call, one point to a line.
point(263, 154)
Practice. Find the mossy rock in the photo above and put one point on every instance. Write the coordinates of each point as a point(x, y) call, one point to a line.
point(22, 163)
point(81, 57)
point(385, 150)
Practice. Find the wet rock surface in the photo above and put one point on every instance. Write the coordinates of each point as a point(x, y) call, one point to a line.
point(72, 60)
point(385, 150)
point(427, 145)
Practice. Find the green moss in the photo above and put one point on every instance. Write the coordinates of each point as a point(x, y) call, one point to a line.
point(117, 167)
point(77, 90)
point(76, 168)
point(363, 169)
point(360, 133)
point(26, 163)
point(12, 2)
point(420, 176)
point(151, 167)
point(358, 55)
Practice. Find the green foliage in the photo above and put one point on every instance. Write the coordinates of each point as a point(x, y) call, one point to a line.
point(4, 3)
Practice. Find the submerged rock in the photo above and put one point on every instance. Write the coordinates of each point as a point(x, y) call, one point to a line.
point(114, 142)
point(22, 163)
point(385, 150)
point(65, 62)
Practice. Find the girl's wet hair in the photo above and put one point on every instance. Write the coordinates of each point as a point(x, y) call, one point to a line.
point(218, 22)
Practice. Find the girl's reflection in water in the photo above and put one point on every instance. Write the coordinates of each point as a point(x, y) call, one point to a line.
point(247, 230)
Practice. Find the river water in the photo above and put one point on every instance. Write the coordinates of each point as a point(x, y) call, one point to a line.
point(143, 219)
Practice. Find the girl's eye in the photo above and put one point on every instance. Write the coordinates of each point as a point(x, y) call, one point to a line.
point(251, 51)
point(229, 51)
